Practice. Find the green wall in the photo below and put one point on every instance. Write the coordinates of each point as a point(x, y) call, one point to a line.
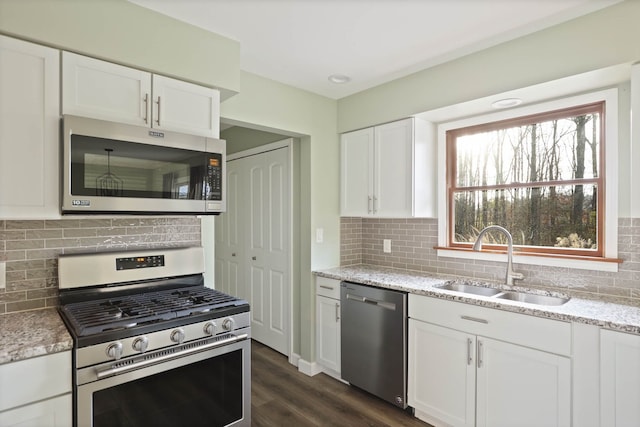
point(241, 138)
point(607, 37)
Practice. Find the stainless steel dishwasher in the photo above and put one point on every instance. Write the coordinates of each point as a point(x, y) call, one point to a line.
point(374, 340)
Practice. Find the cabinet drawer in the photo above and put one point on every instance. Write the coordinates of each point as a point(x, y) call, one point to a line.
point(329, 288)
point(544, 334)
point(34, 379)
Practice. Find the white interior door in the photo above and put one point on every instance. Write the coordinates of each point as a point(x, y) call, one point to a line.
point(229, 246)
point(253, 248)
point(267, 244)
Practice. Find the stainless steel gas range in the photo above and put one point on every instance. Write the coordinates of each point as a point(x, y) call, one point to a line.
point(152, 345)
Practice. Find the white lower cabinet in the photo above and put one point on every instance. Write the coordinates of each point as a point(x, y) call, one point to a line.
point(480, 367)
point(54, 412)
point(620, 379)
point(37, 392)
point(328, 325)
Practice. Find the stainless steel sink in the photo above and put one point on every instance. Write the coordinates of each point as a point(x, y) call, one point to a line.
point(502, 294)
point(533, 298)
point(470, 289)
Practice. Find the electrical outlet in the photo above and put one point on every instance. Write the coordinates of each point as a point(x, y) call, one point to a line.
point(386, 246)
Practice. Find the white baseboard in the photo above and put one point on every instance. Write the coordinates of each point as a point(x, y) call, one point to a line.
point(308, 368)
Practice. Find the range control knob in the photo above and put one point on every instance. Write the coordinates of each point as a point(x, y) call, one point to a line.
point(177, 335)
point(140, 344)
point(228, 324)
point(210, 328)
point(114, 350)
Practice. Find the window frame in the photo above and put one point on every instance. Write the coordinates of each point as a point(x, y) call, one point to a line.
point(607, 259)
point(599, 181)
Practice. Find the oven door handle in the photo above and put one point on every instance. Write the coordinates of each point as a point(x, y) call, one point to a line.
point(174, 355)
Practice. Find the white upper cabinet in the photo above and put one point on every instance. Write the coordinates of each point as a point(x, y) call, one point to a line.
point(29, 136)
point(102, 90)
point(184, 107)
point(389, 171)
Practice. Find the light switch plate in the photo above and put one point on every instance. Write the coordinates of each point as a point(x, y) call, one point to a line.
point(386, 246)
point(3, 275)
point(319, 235)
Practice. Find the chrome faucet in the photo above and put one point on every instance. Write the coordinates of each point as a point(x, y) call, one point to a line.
point(511, 275)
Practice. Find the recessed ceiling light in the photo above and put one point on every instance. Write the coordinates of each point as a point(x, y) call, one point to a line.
point(339, 78)
point(506, 103)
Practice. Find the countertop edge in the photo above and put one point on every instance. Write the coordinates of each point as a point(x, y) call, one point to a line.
point(606, 315)
point(32, 334)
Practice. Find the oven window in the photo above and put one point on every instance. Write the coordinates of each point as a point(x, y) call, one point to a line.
point(110, 168)
point(205, 393)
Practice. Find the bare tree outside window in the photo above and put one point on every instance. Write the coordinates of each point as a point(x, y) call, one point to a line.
point(538, 176)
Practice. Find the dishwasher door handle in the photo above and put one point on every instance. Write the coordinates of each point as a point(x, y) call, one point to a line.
point(372, 301)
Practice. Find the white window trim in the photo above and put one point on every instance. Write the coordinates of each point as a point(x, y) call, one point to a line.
point(610, 96)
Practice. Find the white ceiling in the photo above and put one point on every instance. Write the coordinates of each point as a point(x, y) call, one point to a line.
point(302, 42)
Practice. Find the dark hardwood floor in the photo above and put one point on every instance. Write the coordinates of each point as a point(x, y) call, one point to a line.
point(281, 397)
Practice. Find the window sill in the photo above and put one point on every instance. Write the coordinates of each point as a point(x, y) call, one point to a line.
point(566, 261)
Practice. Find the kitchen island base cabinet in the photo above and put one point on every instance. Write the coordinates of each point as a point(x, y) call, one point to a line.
point(620, 379)
point(476, 377)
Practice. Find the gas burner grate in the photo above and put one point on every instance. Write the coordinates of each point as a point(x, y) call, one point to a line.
point(95, 316)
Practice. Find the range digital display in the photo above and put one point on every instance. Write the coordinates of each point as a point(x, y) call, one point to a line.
point(131, 263)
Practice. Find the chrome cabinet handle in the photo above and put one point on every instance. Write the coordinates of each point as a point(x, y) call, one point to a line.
point(146, 108)
point(469, 351)
point(369, 204)
point(337, 312)
point(375, 199)
point(479, 354)
point(474, 319)
point(326, 287)
point(158, 118)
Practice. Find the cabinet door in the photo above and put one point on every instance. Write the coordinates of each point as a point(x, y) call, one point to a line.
point(328, 333)
point(620, 379)
point(356, 173)
point(441, 372)
point(184, 107)
point(55, 412)
point(393, 170)
point(102, 90)
point(519, 386)
point(29, 130)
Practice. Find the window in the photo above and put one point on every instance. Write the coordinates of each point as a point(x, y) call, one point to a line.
point(537, 176)
point(539, 171)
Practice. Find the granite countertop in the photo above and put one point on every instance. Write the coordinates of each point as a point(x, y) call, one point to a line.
point(616, 317)
point(32, 333)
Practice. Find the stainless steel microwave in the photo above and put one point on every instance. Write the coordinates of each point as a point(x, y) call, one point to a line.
point(111, 167)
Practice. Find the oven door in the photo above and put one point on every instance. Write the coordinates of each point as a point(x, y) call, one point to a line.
point(204, 388)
